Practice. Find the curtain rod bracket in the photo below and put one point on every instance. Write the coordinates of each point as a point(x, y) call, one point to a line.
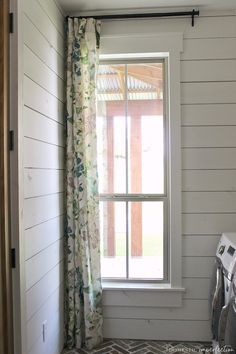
point(193, 16)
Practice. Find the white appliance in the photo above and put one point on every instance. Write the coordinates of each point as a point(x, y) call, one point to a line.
point(222, 287)
point(229, 339)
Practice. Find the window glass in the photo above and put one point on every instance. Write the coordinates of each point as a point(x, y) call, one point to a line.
point(146, 240)
point(132, 157)
point(113, 240)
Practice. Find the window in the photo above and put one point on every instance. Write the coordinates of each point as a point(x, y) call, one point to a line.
point(132, 128)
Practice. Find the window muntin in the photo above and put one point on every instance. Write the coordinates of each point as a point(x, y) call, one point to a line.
point(132, 164)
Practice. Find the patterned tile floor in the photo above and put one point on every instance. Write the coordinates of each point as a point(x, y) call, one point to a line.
point(145, 347)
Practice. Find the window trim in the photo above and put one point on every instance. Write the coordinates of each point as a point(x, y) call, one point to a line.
point(148, 46)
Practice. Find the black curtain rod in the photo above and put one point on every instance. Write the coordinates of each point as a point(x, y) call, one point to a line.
point(192, 13)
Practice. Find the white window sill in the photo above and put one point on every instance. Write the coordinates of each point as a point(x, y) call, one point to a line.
point(140, 286)
point(141, 294)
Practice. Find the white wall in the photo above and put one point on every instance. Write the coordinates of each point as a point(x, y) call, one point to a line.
point(208, 102)
point(43, 27)
point(208, 84)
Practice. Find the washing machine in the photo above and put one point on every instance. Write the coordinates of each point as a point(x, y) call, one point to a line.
point(222, 286)
point(227, 324)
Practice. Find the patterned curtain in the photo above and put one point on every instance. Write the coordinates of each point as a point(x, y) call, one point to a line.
point(83, 294)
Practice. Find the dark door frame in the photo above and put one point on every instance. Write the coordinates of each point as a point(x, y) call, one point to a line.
point(6, 327)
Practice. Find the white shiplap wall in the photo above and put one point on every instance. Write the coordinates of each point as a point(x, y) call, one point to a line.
point(43, 56)
point(208, 84)
point(208, 101)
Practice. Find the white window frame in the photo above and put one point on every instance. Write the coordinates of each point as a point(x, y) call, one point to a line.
point(147, 46)
point(147, 197)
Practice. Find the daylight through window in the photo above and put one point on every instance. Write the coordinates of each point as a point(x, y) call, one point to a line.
point(132, 166)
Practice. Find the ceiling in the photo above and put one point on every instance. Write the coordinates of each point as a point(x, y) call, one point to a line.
point(111, 5)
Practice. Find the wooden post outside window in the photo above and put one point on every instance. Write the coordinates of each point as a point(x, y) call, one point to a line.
point(136, 183)
point(110, 188)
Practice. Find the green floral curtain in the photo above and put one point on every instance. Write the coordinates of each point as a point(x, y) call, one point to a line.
point(83, 294)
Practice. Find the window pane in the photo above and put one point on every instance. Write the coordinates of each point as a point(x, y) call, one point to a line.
point(146, 240)
point(113, 239)
point(111, 129)
point(146, 128)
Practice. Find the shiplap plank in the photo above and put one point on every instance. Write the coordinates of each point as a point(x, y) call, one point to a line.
point(42, 182)
point(220, 12)
point(42, 48)
point(207, 180)
point(39, 265)
point(209, 136)
point(211, 48)
point(36, 70)
point(209, 158)
point(41, 128)
point(49, 312)
point(208, 70)
point(200, 245)
point(204, 27)
point(208, 92)
point(42, 101)
point(54, 344)
point(43, 23)
point(64, 13)
point(198, 267)
point(54, 14)
point(43, 235)
point(190, 309)
point(211, 114)
point(41, 209)
point(141, 297)
point(41, 291)
point(157, 329)
point(196, 288)
point(203, 224)
point(209, 202)
point(38, 154)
